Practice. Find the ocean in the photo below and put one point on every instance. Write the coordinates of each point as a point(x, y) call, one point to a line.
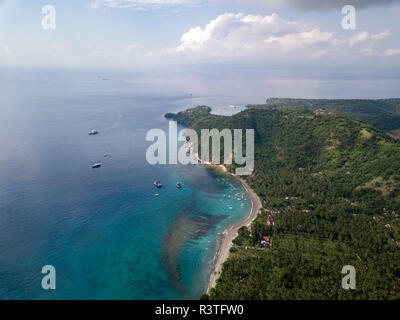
point(109, 233)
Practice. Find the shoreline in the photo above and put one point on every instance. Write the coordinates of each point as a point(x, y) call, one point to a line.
point(224, 239)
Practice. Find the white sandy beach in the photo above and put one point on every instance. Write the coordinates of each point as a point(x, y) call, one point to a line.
point(224, 241)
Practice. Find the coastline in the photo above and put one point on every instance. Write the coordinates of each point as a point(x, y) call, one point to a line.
point(224, 240)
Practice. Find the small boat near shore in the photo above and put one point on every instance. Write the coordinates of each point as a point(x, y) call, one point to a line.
point(96, 165)
point(179, 186)
point(158, 184)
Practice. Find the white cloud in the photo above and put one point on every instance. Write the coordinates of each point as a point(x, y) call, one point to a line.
point(359, 38)
point(294, 41)
point(233, 31)
point(250, 40)
point(381, 35)
point(365, 36)
point(238, 34)
point(392, 52)
point(257, 37)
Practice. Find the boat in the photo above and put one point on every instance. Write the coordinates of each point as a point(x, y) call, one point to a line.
point(93, 132)
point(158, 184)
point(179, 186)
point(96, 165)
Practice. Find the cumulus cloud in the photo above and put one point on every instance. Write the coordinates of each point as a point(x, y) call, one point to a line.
point(231, 31)
point(257, 39)
point(243, 37)
point(320, 4)
point(300, 40)
point(254, 36)
point(139, 4)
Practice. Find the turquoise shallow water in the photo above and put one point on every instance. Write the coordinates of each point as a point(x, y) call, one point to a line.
point(106, 232)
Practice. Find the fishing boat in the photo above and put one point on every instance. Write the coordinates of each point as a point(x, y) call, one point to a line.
point(158, 184)
point(93, 132)
point(96, 165)
point(179, 186)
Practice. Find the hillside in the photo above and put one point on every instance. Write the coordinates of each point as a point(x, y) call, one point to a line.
point(330, 187)
point(384, 114)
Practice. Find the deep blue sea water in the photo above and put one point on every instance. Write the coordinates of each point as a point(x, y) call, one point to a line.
point(106, 232)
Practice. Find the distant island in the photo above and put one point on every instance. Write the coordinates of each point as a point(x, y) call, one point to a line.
point(330, 191)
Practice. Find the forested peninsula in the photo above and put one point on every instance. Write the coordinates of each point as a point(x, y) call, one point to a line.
point(329, 183)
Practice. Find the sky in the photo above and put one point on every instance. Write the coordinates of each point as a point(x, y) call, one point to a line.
point(165, 33)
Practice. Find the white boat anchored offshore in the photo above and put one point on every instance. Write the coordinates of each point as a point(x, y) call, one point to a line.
point(158, 184)
point(96, 165)
point(93, 132)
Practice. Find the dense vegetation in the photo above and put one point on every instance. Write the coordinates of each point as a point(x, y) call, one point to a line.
point(384, 114)
point(331, 186)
